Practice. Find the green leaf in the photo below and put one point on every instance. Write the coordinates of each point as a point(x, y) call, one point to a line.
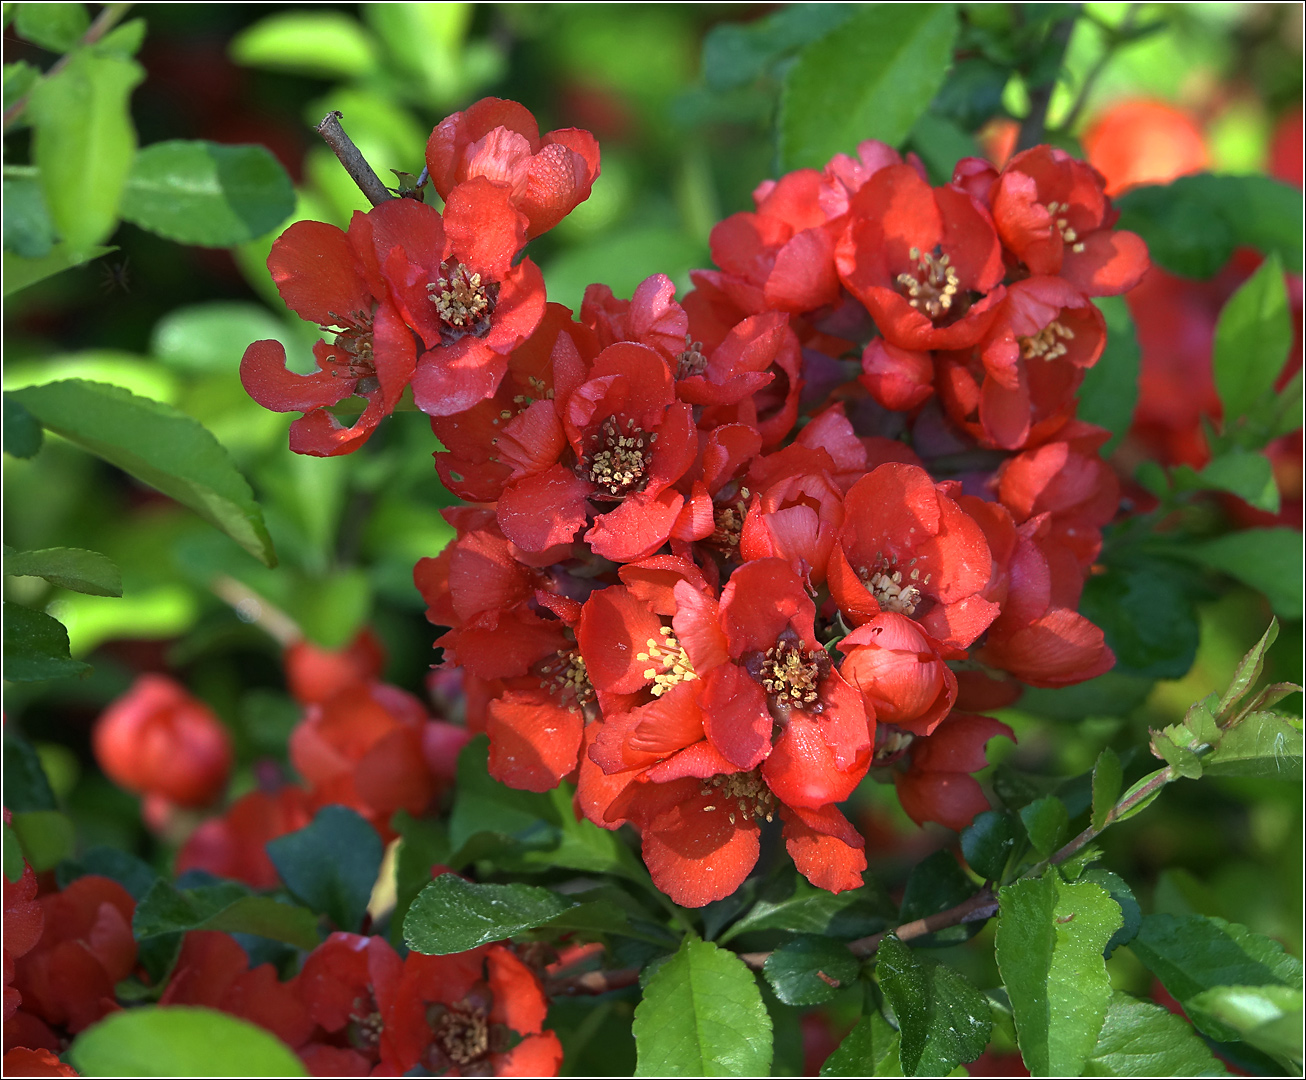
point(702, 1015)
point(936, 884)
point(1269, 560)
point(1109, 392)
point(1049, 946)
point(1247, 672)
point(423, 844)
point(1266, 1017)
point(158, 445)
point(1252, 340)
point(809, 910)
point(483, 805)
point(809, 969)
point(47, 837)
point(69, 568)
point(943, 1020)
point(940, 143)
point(738, 54)
point(1108, 779)
point(987, 843)
point(1142, 805)
point(451, 915)
point(1179, 757)
point(180, 1040)
point(1046, 823)
point(870, 1049)
point(19, 77)
point(206, 193)
point(1144, 606)
point(1244, 473)
point(22, 434)
point(1142, 1039)
point(321, 43)
point(20, 273)
point(228, 907)
point(36, 647)
point(27, 227)
point(212, 337)
point(133, 874)
point(870, 78)
point(57, 27)
point(83, 144)
point(25, 784)
point(1262, 744)
point(1123, 895)
point(331, 864)
point(13, 854)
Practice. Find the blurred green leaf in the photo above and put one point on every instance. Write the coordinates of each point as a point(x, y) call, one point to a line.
point(133, 874)
point(213, 336)
point(159, 446)
point(451, 915)
point(27, 228)
point(737, 54)
point(25, 783)
point(870, 1049)
point(36, 647)
point(1267, 1017)
point(19, 78)
point(331, 865)
point(47, 837)
point(808, 969)
point(1109, 392)
point(22, 434)
point(1269, 560)
point(1108, 780)
point(1142, 1039)
point(321, 43)
point(13, 854)
point(57, 27)
point(1244, 473)
point(68, 568)
point(125, 40)
point(1144, 605)
point(228, 907)
point(20, 272)
point(207, 194)
point(870, 78)
point(84, 143)
point(1252, 340)
point(1046, 823)
point(423, 844)
point(940, 144)
point(180, 1040)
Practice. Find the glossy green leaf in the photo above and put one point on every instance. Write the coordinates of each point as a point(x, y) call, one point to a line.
point(809, 910)
point(1262, 744)
point(870, 1049)
point(1142, 1039)
point(1267, 1017)
point(423, 844)
point(737, 54)
point(1252, 340)
point(83, 144)
point(1144, 606)
point(936, 884)
point(987, 843)
point(158, 445)
point(1050, 940)
point(702, 1015)
point(180, 1041)
point(1108, 780)
point(322, 43)
point(46, 836)
point(1047, 824)
point(1146, 801)
point(1269, 560)
point(809, 969)
point(28, 230)
point(213, 336)
point(331, 864)
point(69, 568)
point(57, 27)
point(206, 193)
point(133, 874)
point(22, 434)
point(19, 272)
point(870, 78)
point(1131, 914)
point(1248, 671)
point(1109, 392)
point(228, 907)
point(943, 1020)
point(36, 647)
point(452, 915)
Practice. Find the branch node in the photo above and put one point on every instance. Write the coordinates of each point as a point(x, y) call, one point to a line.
point(355, 164)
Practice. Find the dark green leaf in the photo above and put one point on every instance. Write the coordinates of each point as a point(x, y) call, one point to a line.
point(22, 434)
point(1144, 606)
point(69, 568)
point(323, 43)
point(452, 915)
point(180, 1040)
point(331, 864)
point(1142, 1039)
point(483, 805)
point(809, 969)
point(1252, 340)
point(20, 273)
point(206, 193)
point(47, 837)
point(943, 1020)
point(1248, 671)
point(1267, 1017)
point(159, 446)
point(228, 907)
point(809, 910)
point(870, 1049)
point(972, 93)
point(1046, 823)
point(1050, 941)
point(212, 337)
point(988, 842)
point(1108, 780)
point(1109, 391)
point(25, 784)
point(83, 144)
point(1123, 895)
point(702, 1015)
point(1262, 744)
point(36, 647)
point(27, 228)
point(737, 54)
point(13, 854)
point(935, 885)
point(57, 27)
point(423, 844)
point(133, 874)
point(870, 78)
point(1269, 560)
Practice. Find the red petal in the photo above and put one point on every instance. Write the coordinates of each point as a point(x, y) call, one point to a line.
point(827, 850)
point(536, 1055)
point(539, 511)
point(264, 376)
point(317, 273)
point(518, 997)
point(533, 742)
point(735, 715)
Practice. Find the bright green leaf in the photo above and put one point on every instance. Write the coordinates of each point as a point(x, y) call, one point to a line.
point(1252, 340)
point(869, 78)
point(47, 837)
point(943, 1020)
point(22, 434)
point(36, 647)
point(57, 27)
point(206, 193)
point(1049, 945)
point(1179, 757)
point(124, 40)
point(1261, 744)
point(809, 969)
point(870, 1049)
point(1146, 801)
point(68, 568)
point(1108, 779)
point(1142, 1039)
point(1266, 1017)
point(158, 445)
point(1247, 672)
point(987, 843)
point(19, 77)
point(1123, 895)
point(19, 273)
point(321, 43)
point(213, 336)
point(83, 144)
point(180, 1041)
point(1109, 391)
point(1269, 560)
point(702, 1015)
point(1046, 823)
point(1244, 473)
point(331, 864)
point(452, 915)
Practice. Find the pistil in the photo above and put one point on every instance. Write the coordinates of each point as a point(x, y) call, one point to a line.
point(933, 285)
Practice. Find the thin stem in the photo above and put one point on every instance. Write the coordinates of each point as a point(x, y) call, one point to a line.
point(104, 22)
point(592, 982)
point(1031, 131)
point(353, 161)
point(252, 608)
point(1081, 99)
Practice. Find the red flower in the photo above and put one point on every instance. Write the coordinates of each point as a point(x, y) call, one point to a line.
point(899, 379)
point(232, 846)
point(925, 262)
point(1052, 213)
point(159, 740)
point(900, 671)
point(796, 509)
point(937, 785)
point(23, 922)
point(350, 984)
point(313, 674)
point(1144, 142)
point(549, 175)
point(23, 1062)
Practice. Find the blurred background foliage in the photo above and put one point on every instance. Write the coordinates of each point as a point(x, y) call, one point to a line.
point(685, 100)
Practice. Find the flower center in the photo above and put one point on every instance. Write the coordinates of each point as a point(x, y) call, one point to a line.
point(1048, 343)
point(364, 1031)
point(463, 303)
point(792, 674)
point(353, 344)
point(618, 458)
point(749, 791)
point(669, 663)
point(932, 286)
point(1067, 232)
point(462, 1031)
point(691, 361)
point(891, 744)
point(885, 581)
point(566, 678)
point(728, 523)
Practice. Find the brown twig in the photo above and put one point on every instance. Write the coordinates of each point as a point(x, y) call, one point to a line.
point(592, 982)
point(1031, 131)
point(252, 608)
point(355, 164)
point(104, 22)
